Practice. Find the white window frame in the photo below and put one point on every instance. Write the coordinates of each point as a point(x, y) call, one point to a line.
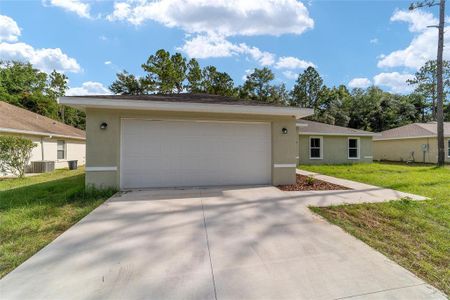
point(321, 147)
point(65, 150)
point(358, 148)
point(448, 148)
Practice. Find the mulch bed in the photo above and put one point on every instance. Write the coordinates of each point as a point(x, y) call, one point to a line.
point(304, 184)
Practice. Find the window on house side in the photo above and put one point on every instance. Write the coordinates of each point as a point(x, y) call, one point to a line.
point(448, 148)
point(353, 148)
point(315, 148)
point(61, 149)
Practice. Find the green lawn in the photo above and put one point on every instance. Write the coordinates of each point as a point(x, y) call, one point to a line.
point(415, 234)
point(35, 210)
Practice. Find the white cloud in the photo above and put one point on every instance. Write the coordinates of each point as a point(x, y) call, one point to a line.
point(45, 59)
point(205, 46)
point(212, 22)
point(108, 62)
point(360, 83)
point(289, 62)
point(374, 41)
point(9, 30)
point(76, 6)
point(89, 88)
point(422, 47)
point(395, 81)
point(290, 75)
point(418, 20)
point(224, 17)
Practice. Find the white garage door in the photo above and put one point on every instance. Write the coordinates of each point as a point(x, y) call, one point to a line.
point(186, 153)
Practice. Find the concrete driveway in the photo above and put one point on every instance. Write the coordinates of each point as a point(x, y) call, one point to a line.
point(217, 243)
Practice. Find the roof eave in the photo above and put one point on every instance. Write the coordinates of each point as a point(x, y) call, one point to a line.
point(339, 134)
point(409, 137)
point(83, 103)
point(38, 133)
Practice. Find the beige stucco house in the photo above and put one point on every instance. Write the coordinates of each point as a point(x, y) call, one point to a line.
point(55, 141)
point(415, 142)
point(320, 143)
point(187, 140)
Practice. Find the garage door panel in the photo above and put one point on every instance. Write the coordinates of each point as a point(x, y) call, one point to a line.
point(183, 153)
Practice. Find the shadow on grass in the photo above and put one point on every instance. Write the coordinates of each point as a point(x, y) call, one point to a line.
point(54, 193)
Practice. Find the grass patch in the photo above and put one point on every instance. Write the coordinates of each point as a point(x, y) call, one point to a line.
point(35, 210)
point(415, 234)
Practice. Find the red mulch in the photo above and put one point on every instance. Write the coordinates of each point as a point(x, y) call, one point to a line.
point(317, 185)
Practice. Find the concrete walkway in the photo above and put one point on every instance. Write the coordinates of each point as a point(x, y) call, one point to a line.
point(359, 193)
point(216, 243)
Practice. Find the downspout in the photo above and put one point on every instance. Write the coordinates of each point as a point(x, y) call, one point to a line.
point(42, 148)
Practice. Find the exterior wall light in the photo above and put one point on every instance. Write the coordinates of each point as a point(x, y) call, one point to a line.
point(103, 126)
point(284, 130)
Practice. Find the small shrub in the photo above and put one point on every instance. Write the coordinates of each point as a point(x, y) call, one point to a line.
point(310, 180)
point(15, 152)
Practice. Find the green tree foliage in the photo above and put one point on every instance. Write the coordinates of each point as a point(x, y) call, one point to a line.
point(165, 73)
point(257, 86)
point(425, 82)
point(128, 84)
point(307, 88)
point(333, 106)
point(27, 87)
point(15, 153)
point(194, 77)
point(217, 83)
point(375, 110)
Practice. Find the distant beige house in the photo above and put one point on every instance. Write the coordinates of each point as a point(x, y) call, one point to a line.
point(320, 143)
point(414, 142)
point(55, 141)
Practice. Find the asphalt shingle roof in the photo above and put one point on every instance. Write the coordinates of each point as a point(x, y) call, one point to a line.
point(414, 130)
point(16, 118)
point(321, 128)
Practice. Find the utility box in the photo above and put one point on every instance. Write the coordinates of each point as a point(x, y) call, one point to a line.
point(42, 166)
point(72, 164)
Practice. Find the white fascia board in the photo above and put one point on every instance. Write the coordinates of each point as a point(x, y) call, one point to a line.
point(338, 134)
point(49, 134)
point(83, 103)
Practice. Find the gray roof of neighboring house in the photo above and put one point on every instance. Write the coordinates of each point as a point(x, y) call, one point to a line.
point(414, 130)
point(14, 119)
point(310, 127)
point(182, 97)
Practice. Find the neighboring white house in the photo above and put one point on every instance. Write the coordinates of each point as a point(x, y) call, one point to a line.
point(55, 141)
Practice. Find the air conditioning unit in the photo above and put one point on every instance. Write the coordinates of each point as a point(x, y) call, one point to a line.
point(42, 166)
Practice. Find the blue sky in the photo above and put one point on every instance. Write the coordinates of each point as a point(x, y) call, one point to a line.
point(357, 43)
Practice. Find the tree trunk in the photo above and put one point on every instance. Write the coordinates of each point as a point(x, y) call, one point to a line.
point(440, 87)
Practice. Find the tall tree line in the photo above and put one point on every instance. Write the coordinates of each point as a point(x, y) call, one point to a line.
point(27, 87)
point(369, 109)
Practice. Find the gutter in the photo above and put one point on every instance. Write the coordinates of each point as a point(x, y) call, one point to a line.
point(49, 134)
